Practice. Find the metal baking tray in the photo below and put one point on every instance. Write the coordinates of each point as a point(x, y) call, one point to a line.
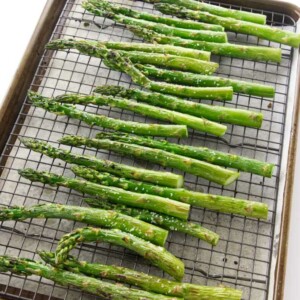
point(251, 253)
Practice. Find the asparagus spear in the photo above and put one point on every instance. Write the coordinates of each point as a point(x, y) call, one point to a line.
point(187, 24)
point(152, 48)
point(210, 112)
point(261, 31)
point(257, 53)
point(218, 203)
point(116, 195)
point(146, 110)
point(185, 78)
point(105, 290)
point(202, 35)
point(212, 156)
point(96, 217)
point(97, 49)
point(216, 10)
point(167, 222)
point(146, 282)
point(164, 158)
point(157, 255)
point(107, 122)
point(156, 177)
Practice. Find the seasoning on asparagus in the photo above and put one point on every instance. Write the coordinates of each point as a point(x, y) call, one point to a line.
point(215, 93)
point(257, 53)
point(146, 110)
point(105, 290)
point(107, 122)
point(117, 61)
point(196, 167)
point(164, 221)
point(218, 203)
point(210, 112)
point(99, 50)
point(186, 78)
point(262, 31)
point(202, 153)
point(155, 177)
point(216, 10)
point(187, 24)
point(152, 48)
point(202, 35)
point(146, 282)
point(91, 216)
point(114, 194)
point(157, 255)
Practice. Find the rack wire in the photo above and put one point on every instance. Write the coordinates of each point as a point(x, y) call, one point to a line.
point(242, 258)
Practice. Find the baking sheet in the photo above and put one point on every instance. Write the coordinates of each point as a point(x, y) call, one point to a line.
point(247, 247)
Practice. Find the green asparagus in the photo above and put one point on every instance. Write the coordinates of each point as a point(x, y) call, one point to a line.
point(185, 78)
point(156, 177)
point(116, 195)
point(216, 10)
point(157, 255)
point(126, 66)
point(146, 110)
point(210, 112)
point(262, 31)
point(104, 290)
point(196, 167)
point(98, 50)
point(146, 282)
point(202, 35)
point(209, 155)
point(257, 53)
point(107, 122)
point(187, 24)
point(152, 48)
point(96, 217)
point(164, 221)
point(218, 203)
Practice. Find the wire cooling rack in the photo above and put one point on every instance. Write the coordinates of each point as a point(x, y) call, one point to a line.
point(243, 257)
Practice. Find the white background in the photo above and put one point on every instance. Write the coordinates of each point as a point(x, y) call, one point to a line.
point(18, 19)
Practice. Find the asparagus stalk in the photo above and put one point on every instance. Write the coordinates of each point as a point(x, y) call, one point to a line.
point(91, 216)
point(117, 9)
point(107, 122)
point(218, 203)
point(202, 35)
point(216, 10)
point(146, 282)
point(105, 290)
point(208, 171)
point(146, 110)
point(186, 78)
point(167, 222)
point(210, 112)
point(156, 177)
point(152, 48)
point(157, 255)
point(256, 53)
point(116, 195)
point(97, 49)
point(262, 31)
point(212, 156)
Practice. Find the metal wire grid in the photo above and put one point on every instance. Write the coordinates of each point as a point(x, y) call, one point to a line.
point(242, 257)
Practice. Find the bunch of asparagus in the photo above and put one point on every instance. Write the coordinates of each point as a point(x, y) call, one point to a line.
point(85, 276)
point(154, 29)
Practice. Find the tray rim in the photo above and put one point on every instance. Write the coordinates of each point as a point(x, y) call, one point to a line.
point(25, 73)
